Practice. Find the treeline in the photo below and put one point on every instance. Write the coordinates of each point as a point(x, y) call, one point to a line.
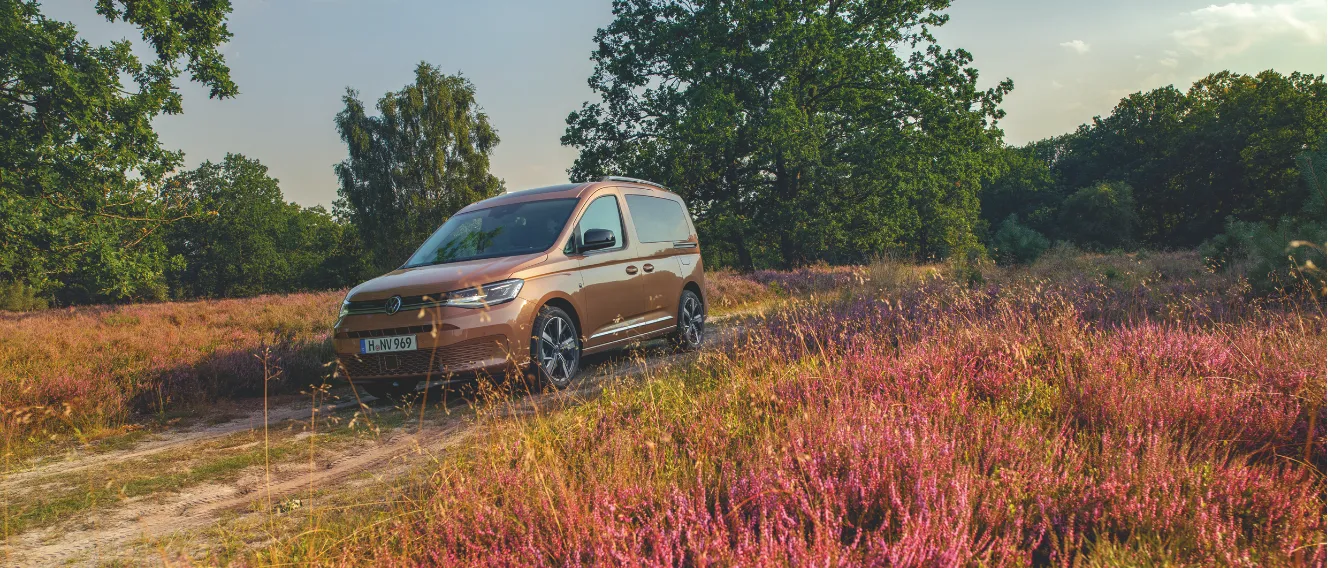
point(826, 131)
point(94, 209)
point(1235, 165)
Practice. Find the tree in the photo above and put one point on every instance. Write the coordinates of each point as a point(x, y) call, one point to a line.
point(243, 239)
point(424, 157)
point(1024, 187)
point(1226, 148)
point(835, 130)
point(80, 166)
point(1099, 217)
point(1013, 243)
point(1288, 254)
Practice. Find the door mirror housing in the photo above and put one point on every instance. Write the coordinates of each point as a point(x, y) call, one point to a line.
point(596, 239)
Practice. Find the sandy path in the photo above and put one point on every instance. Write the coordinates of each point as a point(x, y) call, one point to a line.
point(116, 534)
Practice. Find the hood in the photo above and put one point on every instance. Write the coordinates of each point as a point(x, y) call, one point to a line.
point(442, 278)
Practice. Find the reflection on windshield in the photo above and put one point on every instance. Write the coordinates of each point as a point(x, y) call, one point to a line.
point(503, 230)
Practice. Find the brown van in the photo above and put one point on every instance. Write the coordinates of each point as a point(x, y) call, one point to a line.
point(529, 281)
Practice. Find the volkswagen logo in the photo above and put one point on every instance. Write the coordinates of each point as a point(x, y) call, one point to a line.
point(393, 305)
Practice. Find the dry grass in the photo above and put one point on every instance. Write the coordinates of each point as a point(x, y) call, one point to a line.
point(85, 373)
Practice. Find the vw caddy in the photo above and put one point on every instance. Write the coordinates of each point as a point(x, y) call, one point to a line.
point(528, 282)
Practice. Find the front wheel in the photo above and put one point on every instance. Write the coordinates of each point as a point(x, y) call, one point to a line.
point(555, 348)
point(691, 322)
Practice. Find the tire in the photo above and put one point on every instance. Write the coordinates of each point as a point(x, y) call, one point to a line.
point(690, 332)
point(555, 348)
point(395, 390)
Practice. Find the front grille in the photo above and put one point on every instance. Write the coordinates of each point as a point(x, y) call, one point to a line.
point(452, 358)
point(407, 303)
point(426, 328)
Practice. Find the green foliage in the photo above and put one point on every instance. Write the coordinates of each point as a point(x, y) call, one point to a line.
point(17, 297)
point(80, 166)
point(1224, 149)
point(242, 239)
point(1283, 256)
point(1023, 186)
point(1099, 217)
point(832, 131)
point(1013, 243)
point(424, 157)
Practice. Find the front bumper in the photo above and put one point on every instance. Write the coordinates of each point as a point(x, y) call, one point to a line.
point(450, 341)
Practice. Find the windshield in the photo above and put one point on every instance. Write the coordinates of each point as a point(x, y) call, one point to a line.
point(503, 230)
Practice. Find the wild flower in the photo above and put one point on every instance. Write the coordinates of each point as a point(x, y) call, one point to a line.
point(1058, 420)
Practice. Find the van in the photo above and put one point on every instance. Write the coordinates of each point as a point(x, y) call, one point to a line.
point(529, 282)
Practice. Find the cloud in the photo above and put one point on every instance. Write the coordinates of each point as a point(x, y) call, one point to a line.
point(1232, 28)
point(1077, 46)
point(1169, 62)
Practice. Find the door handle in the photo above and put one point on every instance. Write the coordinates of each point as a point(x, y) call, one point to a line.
point(631, 269)
point(648, 268)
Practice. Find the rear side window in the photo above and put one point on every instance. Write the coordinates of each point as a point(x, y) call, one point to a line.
point(657, 219)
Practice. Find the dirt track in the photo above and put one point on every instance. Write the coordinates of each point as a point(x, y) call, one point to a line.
point(124, 531)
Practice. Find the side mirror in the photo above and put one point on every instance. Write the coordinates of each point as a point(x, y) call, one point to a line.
point(596, 239)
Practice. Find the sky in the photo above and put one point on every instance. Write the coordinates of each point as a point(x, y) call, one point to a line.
point(1070, 60)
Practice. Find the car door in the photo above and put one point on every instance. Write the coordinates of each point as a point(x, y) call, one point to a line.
point(610, 296)
point(659, 225)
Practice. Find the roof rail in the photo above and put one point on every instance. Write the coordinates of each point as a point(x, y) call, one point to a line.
point(634, 180)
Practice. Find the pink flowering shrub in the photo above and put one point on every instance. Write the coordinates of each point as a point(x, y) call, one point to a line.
point(92, 368)
point(1030, 422)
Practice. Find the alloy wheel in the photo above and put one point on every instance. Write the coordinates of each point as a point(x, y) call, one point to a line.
point(693, 320)
point(558, 352)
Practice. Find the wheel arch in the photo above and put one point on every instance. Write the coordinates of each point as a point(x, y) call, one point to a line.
point(696, 289)
point(565, 304)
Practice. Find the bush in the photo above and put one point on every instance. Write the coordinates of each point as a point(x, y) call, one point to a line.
point(1016, 244)
point(1099, 217)
point(1273, 259)
point(17, 297)
point(1281, 257)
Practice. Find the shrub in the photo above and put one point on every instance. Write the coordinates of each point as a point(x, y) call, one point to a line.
point(89, 370)
point(728, 289)
point(1279, 257)
point(1016, 244)
point(1026, 422)
point(1099, 217)
point(1273, 258)
point(17, 297)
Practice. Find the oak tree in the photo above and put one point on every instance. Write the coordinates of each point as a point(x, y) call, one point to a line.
point(80, 165)
point(798, 131)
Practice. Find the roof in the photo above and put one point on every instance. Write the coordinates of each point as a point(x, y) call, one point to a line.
point(562, 191)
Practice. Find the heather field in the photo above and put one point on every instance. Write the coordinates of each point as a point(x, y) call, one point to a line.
point(86, 373)
point(1088, 410)
point(1091, 411)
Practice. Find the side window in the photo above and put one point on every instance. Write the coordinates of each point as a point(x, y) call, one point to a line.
point(657, 219)
point(602, 214)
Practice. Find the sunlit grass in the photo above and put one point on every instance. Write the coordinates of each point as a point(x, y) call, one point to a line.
point(1059, 414)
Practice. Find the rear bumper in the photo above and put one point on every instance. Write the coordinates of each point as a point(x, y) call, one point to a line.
point(450, 342)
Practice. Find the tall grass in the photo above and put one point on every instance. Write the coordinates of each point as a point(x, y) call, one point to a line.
point(87, 371)
point(1114, 412)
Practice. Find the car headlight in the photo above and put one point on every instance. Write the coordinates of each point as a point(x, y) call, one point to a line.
point(486, 295)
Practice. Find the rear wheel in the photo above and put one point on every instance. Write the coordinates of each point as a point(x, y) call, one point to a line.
point(691, 322)
point(395, 390)
point(555, 348)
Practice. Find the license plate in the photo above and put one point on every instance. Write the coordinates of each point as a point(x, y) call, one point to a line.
point(387, 344)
